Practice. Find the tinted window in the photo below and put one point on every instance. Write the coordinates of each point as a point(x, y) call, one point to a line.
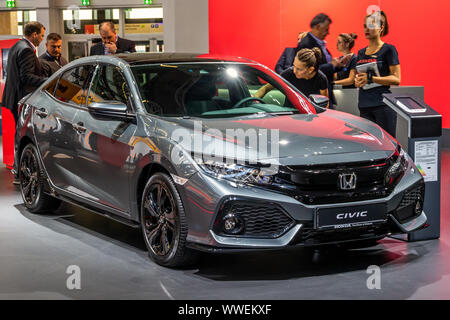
point(50, 87)
point(73, 84)
point(211, 90)
point(109, 85)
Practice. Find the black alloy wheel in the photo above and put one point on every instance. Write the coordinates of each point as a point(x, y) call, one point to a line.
point(32, 183)
point(163, 222)
point(29, 177)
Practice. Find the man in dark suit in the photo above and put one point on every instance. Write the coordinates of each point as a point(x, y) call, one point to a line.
point(52, 60)
point(111, 43)
point(287, 57)
point(24, 72)
point(320, 26)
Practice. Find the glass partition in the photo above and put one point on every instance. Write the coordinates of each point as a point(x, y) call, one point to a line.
point(86, 21)
point(143, 20)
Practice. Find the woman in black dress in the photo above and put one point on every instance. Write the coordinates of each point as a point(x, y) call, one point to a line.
point(346, 75)
point(370, 102)
point(304, 75)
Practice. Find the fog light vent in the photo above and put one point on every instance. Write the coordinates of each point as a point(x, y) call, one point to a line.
point(232, 224)
point(419, 206)
point(411, 205)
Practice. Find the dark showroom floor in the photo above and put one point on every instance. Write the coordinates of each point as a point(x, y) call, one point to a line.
point(37, 250)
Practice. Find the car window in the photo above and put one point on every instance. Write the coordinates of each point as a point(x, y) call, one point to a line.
point(50, 87)
point(109, 84)
point(212, 90)
point(73, 83)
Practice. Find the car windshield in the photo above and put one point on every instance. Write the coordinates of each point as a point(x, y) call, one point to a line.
point(215, 90)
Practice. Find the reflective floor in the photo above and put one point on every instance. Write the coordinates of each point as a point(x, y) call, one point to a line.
point(36, 251)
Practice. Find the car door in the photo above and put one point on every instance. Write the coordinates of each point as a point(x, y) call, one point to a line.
point(53, 124)
point(102, 157)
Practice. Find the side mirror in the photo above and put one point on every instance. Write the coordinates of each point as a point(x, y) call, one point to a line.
point(108, 108)
point(319, 100)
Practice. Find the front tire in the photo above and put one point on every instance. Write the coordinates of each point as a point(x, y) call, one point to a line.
point(32, 183)
point(163, 222)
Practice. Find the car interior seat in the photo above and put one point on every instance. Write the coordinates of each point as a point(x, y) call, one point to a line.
point(199, 98)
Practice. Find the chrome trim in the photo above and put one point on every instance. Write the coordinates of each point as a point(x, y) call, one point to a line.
point(255, 242)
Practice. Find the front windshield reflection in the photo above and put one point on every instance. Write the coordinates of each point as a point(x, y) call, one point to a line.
point(213, 90)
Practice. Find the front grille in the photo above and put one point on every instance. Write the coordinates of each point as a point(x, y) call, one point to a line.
point(264, 220)
point(407, 207)
point(320, 184)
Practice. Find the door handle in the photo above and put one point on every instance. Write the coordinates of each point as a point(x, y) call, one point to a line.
point(79, 127)
point(42, 113)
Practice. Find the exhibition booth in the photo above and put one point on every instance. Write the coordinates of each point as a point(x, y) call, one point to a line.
point(115, 135)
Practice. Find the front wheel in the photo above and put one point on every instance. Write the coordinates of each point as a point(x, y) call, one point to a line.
point(163, 223)
point(32, 183)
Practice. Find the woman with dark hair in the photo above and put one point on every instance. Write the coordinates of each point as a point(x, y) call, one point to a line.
point(370, 102)
point(304, 74)
point(346, 76)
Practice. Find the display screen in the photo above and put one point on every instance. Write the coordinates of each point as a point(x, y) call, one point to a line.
point(411, 103)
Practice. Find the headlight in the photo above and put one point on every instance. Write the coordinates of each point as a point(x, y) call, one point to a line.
point(398, 168)
point(236, 172)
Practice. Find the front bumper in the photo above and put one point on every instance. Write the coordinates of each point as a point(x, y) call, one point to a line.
point(205, 196)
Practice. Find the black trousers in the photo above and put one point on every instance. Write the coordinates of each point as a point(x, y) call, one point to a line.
point(384, 116)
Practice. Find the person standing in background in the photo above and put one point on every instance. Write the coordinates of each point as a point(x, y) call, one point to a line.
point(24, 73)
point(287, 57)
point(111, 43)
point(52, 60)
point(320, 26)
point(370, 101)
point(346, 76)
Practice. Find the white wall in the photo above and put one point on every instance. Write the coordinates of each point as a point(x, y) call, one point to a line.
point(186, 26)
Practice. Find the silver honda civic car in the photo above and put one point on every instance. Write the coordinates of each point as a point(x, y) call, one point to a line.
point(186, 148)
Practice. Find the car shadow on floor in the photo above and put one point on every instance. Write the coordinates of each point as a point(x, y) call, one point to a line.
point(250, 266)
point(300, 262)
point(72, 218)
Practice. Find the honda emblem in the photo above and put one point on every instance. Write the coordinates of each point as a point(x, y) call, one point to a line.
point(347, 181)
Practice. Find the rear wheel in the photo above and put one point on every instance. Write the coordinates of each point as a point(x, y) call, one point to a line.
point(32, 183)
point(163, 223)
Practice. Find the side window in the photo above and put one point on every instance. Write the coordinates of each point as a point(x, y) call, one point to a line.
point(73, 84)
point(145, 78)
point(50, 88)
point(109, 84)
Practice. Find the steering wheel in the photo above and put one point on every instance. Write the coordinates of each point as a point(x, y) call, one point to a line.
point(241, 102)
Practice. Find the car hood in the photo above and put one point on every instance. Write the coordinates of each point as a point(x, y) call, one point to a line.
point(300, 139)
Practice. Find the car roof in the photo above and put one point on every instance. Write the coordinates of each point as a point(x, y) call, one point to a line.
point(174, 57)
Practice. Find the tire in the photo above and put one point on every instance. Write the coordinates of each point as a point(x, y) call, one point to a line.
point(163, 223)
point(32, 183)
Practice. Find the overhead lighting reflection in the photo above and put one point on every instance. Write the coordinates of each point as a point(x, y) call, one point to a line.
point(232, 72)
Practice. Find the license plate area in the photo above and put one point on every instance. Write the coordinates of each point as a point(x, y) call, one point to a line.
point(349, 217)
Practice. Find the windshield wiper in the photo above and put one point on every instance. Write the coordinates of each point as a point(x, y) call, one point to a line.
point(281, 113)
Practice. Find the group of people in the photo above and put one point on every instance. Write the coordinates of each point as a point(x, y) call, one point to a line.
point(26, 71)
point(311, 68)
